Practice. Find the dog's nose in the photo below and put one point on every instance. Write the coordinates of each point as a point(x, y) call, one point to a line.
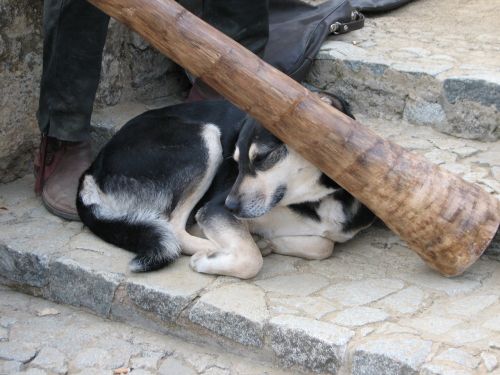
point(232, 204)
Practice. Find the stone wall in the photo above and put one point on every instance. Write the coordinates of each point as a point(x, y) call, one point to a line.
point(132, 71)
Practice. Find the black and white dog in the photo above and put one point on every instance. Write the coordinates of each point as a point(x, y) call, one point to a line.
point(205, 168)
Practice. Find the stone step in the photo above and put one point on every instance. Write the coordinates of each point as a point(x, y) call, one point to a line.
point(108, 119)
point(431, 62)
point(372, 306)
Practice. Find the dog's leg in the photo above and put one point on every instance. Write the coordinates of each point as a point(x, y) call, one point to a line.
point(290, 233)
point(189, 243)
point(307, 247)
point(237, 254)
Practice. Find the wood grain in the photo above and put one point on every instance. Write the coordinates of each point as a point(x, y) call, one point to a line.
point(446, 220)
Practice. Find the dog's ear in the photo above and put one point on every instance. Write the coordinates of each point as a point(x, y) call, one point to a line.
point(336, 102)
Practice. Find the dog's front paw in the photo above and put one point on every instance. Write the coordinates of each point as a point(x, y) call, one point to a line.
point(264, 247)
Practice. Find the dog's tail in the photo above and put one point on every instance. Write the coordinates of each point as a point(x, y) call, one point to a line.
point(150, 238)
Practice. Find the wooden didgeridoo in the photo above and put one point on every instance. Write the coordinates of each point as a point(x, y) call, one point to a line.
point(446, 220)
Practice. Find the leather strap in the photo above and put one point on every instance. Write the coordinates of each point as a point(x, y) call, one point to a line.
point(356, 23)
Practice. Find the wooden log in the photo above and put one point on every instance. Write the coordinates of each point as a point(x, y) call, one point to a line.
point(446, 220)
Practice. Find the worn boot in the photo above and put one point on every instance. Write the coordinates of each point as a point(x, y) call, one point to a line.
point(58, 168)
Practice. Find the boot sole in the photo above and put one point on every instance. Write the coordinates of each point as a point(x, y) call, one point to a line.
point(62, 214)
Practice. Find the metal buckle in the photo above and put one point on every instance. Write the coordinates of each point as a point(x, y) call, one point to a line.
point(338, 28)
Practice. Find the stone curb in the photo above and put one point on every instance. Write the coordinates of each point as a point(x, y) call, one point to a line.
point(424, 93)
point(292, 341)
point(298, 343)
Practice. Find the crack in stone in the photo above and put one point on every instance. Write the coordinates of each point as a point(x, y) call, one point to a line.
point(32, 358)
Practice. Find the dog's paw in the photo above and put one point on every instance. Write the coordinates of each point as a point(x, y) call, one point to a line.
point(200, 262)
point(265, 247)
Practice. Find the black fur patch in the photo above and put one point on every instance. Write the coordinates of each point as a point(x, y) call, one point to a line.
point(361, 218)
point(278, 195)
point(307, 209)
point(328, 182)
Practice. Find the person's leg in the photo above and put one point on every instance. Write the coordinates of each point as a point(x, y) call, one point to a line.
point(74, 37)
point(245, 21)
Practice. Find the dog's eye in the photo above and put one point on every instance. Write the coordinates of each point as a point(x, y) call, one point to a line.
point(260, 157)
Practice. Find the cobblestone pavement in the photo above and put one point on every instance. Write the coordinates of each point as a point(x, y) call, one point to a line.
point(372, 308)
point(38, 337)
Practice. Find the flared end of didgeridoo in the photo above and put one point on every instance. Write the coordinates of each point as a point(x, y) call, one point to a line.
point(456, 262)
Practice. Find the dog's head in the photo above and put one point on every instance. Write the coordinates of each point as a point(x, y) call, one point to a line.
point(271, 173)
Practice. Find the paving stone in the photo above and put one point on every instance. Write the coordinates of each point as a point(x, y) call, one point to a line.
point(440, 369)
point(9, 367)
point(456, 168)
point(461, 88)
point(275, 265)
point(365, 331)
point(440, 157)
point(50, 359)
point(393, 328)
point(359, 316)
point(99, 358)
point(467, 335)
point(147, 360)
point(140, 371)
point(362, 292)
point(89, 242)
point(459, 357)
point(314, 345)
point(33, 371)
point(13, 299)
point(237, 311)
point(431, 324)
point(174, 366)
point(490, 361)
point(495, 171)
point(203, 361)
point(472, 305)
point(89, 371)
point(26, 249)
point(427, 278)
point(168, 291)
point(18, 351)
point(4, 334)
point(423, 113)
point(23, 267)
point(47, 311)
point(294, 285)
point(465, 151)
point(406, 301)
point(494, 344)
point(493, 323)
point(74, 284)
point(390, 356)
point(315, 307)
point(216, 371)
